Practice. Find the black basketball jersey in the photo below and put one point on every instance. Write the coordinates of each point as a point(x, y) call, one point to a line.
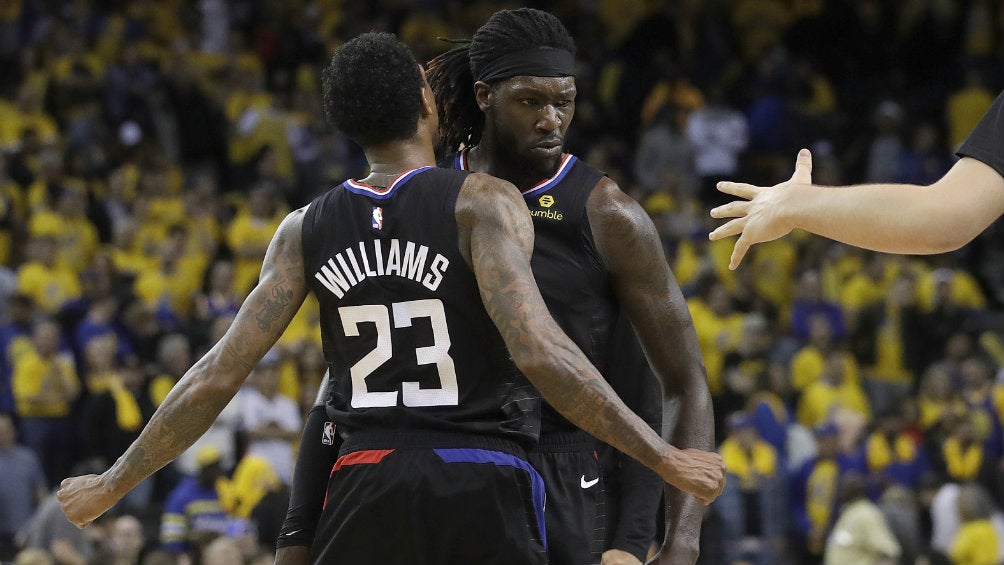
point(407, 339)
point(986, 141)
point(566, 264)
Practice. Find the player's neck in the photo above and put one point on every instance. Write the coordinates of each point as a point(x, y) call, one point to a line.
point(396, 157)
point(500, 161)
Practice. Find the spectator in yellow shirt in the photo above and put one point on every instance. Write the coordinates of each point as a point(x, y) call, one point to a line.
point(963, 452)
point(47, 283)
point(833, 392)
point(938, 402)
point(45, 385)
point(976, 542)
point(249, 234)
point(810, 361)
point(952, 287)
point(76, 236)
point(170, 287)
point(719, 328)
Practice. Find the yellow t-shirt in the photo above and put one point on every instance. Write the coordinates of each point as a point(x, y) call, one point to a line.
point(966, 292)
point(244, 232)
point(176, 287)
point(963, 464)
point(976, 543)
point(964, 110)
point(33, 375)
point(860, 292)
point(749, 466)
point(77, 238)
point(932, 412)
point(50, 288)
point(819, 399)
point(717, 336)
point(13, 123)
point(808, 364)
point(773, 269)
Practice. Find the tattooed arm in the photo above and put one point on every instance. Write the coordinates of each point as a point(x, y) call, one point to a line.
point(497, 238)
point(200, 396)
point(647, 290)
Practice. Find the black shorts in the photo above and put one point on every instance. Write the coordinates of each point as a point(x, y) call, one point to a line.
point(575, 512)
point(431, 499)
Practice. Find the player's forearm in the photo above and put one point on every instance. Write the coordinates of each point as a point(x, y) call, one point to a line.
point(684, 513)
point(187, 412)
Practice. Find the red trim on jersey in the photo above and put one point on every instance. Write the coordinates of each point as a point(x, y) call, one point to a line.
point(565, 160)
point(403, 175)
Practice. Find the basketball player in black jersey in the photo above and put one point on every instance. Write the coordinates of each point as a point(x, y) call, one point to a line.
point(424, 282)
point(595, 251)
point(508, 99)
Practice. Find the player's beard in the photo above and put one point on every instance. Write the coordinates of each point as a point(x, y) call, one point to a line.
point(510, 153)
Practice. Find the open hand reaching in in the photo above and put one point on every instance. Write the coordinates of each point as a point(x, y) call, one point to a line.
point(763, 215)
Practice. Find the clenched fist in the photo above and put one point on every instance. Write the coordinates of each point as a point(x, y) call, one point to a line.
point(697, 472)
point(85, 498)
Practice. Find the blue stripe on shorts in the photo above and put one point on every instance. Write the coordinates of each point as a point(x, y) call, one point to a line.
point(467, 455)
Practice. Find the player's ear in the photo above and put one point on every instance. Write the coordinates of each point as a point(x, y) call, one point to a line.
point(428, 97)
point(484, 95)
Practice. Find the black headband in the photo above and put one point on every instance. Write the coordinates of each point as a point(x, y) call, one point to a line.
point(534, 62)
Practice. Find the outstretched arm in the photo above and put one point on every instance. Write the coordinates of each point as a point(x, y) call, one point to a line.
point(499, 233)
point(647, 290)
point(200, 396)
point(892, 218)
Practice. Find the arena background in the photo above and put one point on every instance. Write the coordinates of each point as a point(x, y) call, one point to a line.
point(148, 150)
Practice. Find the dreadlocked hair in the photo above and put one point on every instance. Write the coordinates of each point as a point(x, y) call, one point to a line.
point(451, 75)
point(460, 119)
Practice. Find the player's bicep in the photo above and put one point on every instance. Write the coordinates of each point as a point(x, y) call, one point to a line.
point(643, 282)
point(501, 243)
point(271, 305)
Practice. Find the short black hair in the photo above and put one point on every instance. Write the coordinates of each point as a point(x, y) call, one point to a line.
point(451, 74)
point(372, 89)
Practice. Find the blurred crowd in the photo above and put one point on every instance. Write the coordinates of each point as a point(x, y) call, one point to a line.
point(149, 149)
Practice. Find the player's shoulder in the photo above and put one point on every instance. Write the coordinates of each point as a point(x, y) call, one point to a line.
point(609, 205)
point(486, 189)
point(483, 196)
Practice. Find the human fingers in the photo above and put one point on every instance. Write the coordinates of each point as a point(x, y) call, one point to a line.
point(739, 250)
point(803, 167)
point(734, 209)
point(728, 229)
point(740, 189)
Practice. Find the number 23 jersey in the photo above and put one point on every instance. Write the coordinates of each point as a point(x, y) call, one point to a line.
point(406, 337)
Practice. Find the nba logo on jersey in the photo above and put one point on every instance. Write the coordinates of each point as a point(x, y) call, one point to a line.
point(377, 218)
point(328, 435)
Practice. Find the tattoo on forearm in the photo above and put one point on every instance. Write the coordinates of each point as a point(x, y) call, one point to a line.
point(274, 306)
point(176, 426)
